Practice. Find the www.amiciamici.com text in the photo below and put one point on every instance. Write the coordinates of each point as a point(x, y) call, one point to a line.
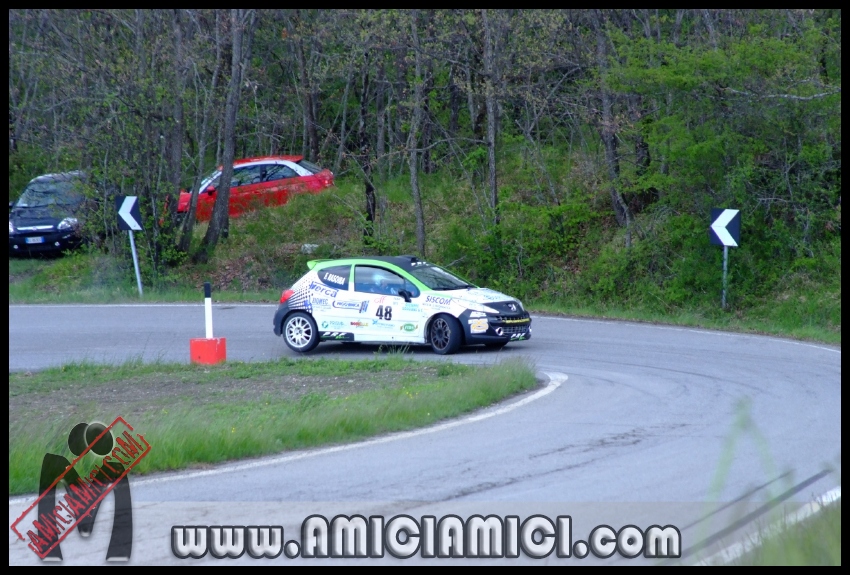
point(404, 537)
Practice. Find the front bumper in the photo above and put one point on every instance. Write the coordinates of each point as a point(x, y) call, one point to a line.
point(43, 242)
point(494, 328)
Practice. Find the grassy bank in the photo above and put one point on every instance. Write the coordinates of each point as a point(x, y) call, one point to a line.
point(195, 415)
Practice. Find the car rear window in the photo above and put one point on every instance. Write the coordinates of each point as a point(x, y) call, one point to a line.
point(314, 169)
point(335, 277)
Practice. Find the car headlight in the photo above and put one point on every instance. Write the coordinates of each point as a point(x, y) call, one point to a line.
point(11, 228)
point(67, 224)
point(479, 307)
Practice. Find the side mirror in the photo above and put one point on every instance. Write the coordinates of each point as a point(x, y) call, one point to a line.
point(405, 294)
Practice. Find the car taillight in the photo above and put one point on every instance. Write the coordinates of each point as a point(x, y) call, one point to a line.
point(286, 295)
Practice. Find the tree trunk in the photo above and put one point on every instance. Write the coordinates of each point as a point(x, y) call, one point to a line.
point(189, 217)
point(490, 73)
point(220, 217)
point(380, 102)
point(342, 135)
point(609, 136)
point(309, 108)
point(364, 155)
point(412, 151)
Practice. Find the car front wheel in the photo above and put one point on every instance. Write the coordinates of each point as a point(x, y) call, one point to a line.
point(445, 335)
point(300, 332)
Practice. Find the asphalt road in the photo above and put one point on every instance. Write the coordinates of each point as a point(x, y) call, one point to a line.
point(640, 424)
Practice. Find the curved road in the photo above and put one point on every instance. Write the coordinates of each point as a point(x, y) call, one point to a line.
point(641, 424)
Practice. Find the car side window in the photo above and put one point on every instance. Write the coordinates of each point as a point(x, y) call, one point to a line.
point(278, 172)
point(371, 279)
point(246, 176)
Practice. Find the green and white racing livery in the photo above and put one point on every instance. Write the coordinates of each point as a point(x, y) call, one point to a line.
point(395, 300)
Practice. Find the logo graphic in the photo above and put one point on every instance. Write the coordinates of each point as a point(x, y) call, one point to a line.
point(347, 304)
point(338, 335)
point(324, 325)
point(478, 325)
point(324, 290)
point(360, 323)
point(364, 306)
point(438, 300)
point(408, 327)
point(119, 448)
point(320, 302)
point(512, 306)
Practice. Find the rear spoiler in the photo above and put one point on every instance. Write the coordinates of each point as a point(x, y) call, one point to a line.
point(312, 263)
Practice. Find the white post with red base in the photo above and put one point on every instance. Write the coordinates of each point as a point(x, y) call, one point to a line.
point(209, 350)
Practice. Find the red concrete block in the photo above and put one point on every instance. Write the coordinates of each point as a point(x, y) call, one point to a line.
point(208, 351)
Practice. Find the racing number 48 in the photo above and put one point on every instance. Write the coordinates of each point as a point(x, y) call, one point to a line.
point(384, 312)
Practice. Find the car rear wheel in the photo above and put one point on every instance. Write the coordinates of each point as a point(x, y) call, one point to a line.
point(445, 335)
point(300, 332)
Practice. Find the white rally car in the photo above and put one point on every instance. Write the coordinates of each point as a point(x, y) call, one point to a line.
point(395, 300)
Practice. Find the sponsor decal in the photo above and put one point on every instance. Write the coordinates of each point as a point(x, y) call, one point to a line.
point(477, 314)
point(338, 335)
point(383, 298)
point(381, 325)
point(478, 325)
point(518, 336)
point(409, 327)
point(411, 307)
point(524, 320)
point(320, 302)
point(360, 323)
point(347, 305)
point(333, 278)
point(322, 289)
point(438, 300)
point(332, 324)
point(364, 306)
point(512, 306)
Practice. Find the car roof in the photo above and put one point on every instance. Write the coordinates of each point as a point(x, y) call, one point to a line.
point(405, 262)
point(60, 177)
point(244, 161)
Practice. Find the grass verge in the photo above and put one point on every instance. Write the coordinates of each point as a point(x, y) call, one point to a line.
point(754, 323)
point(816, 541)
point(196, 415)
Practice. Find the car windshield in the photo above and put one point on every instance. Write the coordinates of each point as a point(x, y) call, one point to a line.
point(210, 180)
point(50, 193)
point(437, 278)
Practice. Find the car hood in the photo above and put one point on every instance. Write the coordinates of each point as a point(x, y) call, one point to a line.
point(477, 295)
point(31, 217)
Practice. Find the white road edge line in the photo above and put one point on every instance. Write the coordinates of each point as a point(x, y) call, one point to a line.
point(738, 550)
point(555, 380)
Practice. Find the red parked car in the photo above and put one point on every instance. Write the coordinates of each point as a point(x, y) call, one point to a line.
point(260, 182)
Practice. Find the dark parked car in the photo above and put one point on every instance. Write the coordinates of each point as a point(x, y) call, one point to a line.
point(47, 216)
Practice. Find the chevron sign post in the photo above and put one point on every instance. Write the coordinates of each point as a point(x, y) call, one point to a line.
point(129, 219)
point(725, 230)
